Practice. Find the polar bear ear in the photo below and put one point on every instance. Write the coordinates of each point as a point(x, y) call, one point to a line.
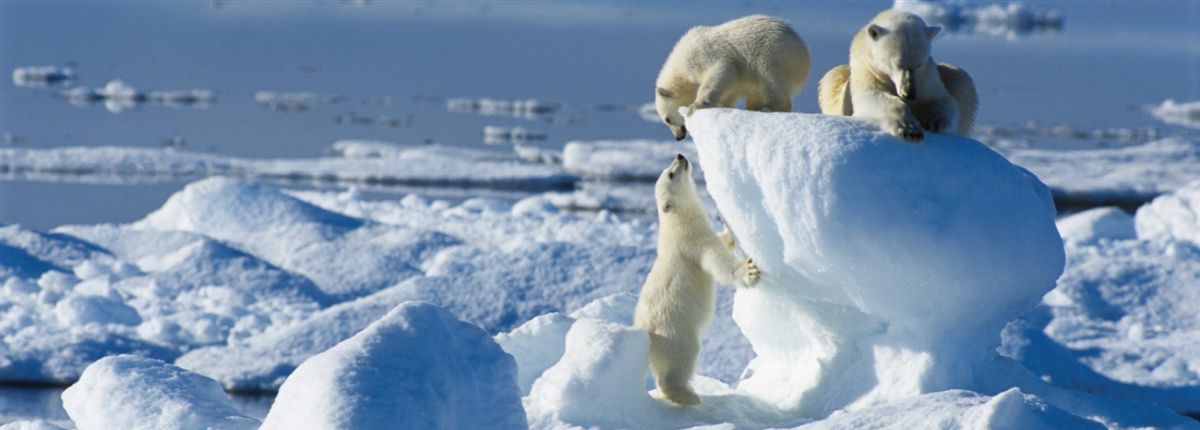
point(664, 92)
point(876, 31)
point(932, 31)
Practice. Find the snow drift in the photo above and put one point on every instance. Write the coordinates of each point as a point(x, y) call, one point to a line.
point(890, 268)
point(417, 367)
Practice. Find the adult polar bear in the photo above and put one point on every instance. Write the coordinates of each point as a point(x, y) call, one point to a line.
point(892, 80)
point(756, 57)
point(677, 302)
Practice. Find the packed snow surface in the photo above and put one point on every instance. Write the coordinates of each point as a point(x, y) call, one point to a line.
point(417, 367)
point(132, 392)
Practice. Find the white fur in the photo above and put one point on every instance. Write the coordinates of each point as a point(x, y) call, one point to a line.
point(894, 81)
point(757, 57)
point(676, 302)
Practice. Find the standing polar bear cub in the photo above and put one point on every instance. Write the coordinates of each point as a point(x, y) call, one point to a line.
point(756, 57)
point(677, 301)
point(892, 80)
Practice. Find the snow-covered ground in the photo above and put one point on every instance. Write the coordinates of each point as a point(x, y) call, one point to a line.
point(243, 282)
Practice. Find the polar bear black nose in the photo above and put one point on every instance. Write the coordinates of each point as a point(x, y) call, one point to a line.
point(680, 157)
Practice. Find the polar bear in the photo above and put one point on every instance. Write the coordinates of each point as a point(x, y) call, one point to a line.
point(676, 302)
point(892, 80)
point(756, 57)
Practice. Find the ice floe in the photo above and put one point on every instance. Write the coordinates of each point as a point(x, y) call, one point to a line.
point(421, 165)
point(119, 96)
point(293, 102)
point(495, 135)
point(1185, 114)
point(1010, 20)
point(527, 109)
point(1121, 175)
point(40, 76)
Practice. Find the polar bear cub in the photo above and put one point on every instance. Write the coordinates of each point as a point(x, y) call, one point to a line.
point(757, 57)
point(892, 80)
point(677, 302)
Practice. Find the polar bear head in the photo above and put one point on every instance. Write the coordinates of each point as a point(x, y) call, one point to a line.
point(899, 49)
point(675, 192)
point(668, 101)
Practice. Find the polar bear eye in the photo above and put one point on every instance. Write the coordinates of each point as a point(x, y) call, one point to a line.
point(668, 121)
point(671, 175)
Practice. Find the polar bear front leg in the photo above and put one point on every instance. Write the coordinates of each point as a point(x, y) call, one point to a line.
point(727, 269)
point(717, 82)
point(889, 111)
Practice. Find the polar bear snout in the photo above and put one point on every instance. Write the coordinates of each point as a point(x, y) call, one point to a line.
point(680, 132)
point(681, 159)
point(906, 86)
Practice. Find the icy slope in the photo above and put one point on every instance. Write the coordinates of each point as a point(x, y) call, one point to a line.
point(890, 267)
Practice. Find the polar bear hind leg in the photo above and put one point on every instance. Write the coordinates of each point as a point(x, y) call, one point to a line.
point(672, 361)
point(960, 86)
point(833, 94)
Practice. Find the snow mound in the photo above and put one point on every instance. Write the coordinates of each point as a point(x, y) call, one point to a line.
point(623, 160)
point(344, 256)
point(1093, 225)
point(1175, 215)
point(132, 392)
point(890, 268)
point(417, 367)
point(1185, 114)
point(606, 363)
point(424, 165)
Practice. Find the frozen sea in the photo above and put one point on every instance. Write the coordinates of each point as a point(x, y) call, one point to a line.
point(387, 71)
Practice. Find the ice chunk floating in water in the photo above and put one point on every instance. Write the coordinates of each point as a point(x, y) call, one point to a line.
point(890, 268)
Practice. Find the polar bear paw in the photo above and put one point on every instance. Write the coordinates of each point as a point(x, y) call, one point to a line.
point(748, 274)
point(936, 123)
point(909, 130)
